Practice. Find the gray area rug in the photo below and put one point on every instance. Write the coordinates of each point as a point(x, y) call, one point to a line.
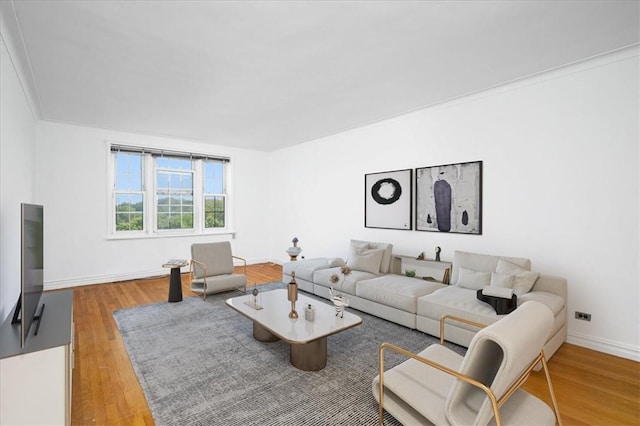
point(198, 364)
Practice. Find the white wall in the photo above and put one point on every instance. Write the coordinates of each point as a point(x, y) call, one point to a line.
point(72, 179)
point(17, 147)
point(561, 186)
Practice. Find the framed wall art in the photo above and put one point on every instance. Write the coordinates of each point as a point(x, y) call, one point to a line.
point(449, 198)
point(387, 200)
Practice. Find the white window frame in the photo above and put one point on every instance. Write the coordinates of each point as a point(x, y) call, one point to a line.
point(204, 195)
point(115, 192)
point(149, 185)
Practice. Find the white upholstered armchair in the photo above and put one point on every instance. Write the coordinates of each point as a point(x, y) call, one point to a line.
point(211, 269)
point(439, 386)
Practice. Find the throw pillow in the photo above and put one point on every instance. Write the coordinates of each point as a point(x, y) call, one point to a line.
point(474, 280)
point(501, 280)
point(365, 260)
point(523, 280)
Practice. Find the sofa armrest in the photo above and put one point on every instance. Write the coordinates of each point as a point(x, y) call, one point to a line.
point(550, 284)
point(335, 262)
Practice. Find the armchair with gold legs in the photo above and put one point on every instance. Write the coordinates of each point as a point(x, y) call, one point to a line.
point(211, 269)
point(439, 386)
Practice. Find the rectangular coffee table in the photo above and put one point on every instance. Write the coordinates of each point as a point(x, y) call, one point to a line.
point(308, 340)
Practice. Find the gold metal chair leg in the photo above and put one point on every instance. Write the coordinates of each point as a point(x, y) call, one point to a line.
point(556, 409)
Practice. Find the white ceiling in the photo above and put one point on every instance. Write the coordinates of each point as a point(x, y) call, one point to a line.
point(270, 74)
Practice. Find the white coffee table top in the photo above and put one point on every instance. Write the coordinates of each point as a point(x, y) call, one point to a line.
point(275, 316)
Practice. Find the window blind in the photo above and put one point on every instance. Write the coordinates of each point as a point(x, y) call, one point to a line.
point(167, 153)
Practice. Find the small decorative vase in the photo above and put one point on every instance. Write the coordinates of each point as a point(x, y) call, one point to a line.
point(339, 302)
point(293, 253)
point(292, 295)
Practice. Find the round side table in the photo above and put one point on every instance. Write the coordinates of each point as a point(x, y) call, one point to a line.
point(175, 283)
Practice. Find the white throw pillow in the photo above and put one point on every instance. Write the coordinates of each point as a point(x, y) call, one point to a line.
point(501, 280)
point(503, 292)
point(523, 280)
point(474, 280)
point(366, 260)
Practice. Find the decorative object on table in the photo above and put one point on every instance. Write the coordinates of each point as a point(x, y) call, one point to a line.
point(254, 299)
point(410, 273)
point(438, 250)
point(449, 198)
point(309, 312)
point(339, 300)
point(294, 251)
point(388, 200)
point(292, 295)
point(501, 299)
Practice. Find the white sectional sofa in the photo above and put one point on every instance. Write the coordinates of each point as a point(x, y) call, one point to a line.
point(419, 304)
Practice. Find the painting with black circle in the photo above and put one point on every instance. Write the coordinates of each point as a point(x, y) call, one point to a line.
point(387, 197)
point(449, 198)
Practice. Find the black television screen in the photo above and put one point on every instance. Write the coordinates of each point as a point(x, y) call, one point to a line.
point(32, 267)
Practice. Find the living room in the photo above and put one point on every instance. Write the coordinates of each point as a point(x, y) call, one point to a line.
point(560, 186)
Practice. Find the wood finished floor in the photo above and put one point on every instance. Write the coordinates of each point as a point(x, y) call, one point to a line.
point(592, 388)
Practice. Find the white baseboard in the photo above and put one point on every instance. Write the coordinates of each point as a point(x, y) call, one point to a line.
point(110, 278)
point(102, 279)
point(604, 345)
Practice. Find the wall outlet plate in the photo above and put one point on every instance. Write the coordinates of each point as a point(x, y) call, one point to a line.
point(583, 316)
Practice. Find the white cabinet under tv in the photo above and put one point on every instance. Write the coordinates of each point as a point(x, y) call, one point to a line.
point(35, 381)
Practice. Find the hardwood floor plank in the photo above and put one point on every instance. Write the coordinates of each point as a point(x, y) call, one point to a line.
point(592, 388)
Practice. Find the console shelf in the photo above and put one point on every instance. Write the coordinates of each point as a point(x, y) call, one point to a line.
point(36, 380)
point(425, 268)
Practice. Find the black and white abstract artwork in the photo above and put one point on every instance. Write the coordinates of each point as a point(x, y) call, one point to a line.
point(387, 200)
point(449, 198)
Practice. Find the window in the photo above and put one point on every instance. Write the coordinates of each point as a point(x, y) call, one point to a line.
point(129, 194)
point(214, 197)
point(174, 193)
point(158, 192)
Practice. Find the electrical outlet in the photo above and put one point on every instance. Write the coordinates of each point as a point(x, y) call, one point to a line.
point(583, 316)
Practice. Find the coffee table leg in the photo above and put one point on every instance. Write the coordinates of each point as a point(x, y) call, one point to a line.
point(261, 334)
point(310, 356)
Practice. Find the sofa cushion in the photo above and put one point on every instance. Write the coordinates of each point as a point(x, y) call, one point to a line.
point(305, 268)
point(482, 262)
point(396, 291)
point(364, 259)
point(523, 279)
point(474, 280)
point(385, 265)
point(346, 284)
point(457, 301)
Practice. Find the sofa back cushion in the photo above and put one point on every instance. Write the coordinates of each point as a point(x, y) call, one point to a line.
point(481, 263)
point(385, 264)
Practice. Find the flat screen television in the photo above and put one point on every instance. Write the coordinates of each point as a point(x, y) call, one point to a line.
point(31, 270)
